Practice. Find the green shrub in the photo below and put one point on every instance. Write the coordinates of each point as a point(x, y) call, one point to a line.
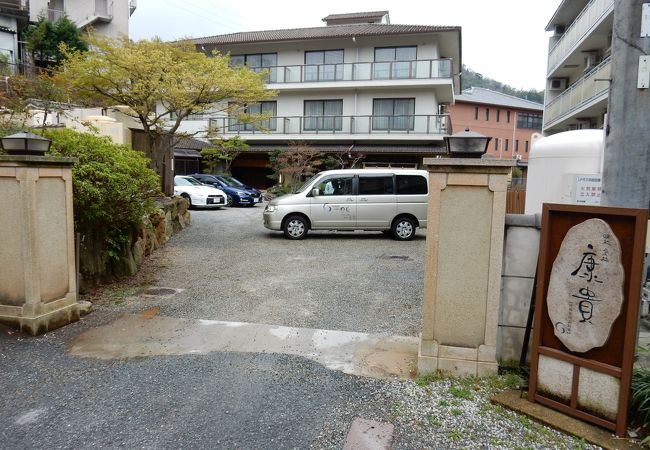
point(114, 189)
point(640, 403)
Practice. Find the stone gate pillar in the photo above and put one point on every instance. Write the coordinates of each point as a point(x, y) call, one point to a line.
point(465, 228)
point(37, 257)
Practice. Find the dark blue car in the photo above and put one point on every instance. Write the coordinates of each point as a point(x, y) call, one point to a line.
point(237, 193)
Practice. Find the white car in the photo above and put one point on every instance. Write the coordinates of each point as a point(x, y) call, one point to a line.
point(197, 193)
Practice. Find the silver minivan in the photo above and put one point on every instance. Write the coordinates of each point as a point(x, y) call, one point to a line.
point(390, 200)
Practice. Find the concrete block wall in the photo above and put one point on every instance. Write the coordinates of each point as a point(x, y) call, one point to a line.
point(521, 247)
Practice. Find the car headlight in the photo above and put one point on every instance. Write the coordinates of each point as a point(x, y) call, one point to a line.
point(270, 208)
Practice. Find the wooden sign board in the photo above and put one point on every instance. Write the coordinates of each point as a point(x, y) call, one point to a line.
point(594, 270)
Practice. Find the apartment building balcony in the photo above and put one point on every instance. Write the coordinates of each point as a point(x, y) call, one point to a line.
point(590, 30)
point(323, 128)
point(15, 7)
point(584, 98)
point(360, 74)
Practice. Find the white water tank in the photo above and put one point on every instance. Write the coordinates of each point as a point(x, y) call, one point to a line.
point(565, 168)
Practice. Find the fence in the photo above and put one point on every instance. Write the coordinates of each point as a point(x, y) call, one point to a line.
point(515, 202)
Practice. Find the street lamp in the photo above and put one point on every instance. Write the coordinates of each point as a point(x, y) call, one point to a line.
point(25, 144)
point(466, 144)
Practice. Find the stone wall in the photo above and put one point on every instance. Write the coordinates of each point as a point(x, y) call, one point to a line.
point(97, 268)
point(522, 233)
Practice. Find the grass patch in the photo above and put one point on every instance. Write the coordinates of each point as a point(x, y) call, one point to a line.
point(455, 435)
point(443, 403)
point(429, 378)
point(456, 411)
point(461, 392)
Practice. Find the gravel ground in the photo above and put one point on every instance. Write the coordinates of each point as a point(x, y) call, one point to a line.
point(231, 268)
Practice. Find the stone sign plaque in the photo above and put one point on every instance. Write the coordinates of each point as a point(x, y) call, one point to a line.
point(585, 291)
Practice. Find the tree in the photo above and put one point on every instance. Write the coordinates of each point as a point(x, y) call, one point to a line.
point(291, 165)
point(44, 38)
point(23, 93)
point(220, 157)
point(161, 83)
point(343, 159)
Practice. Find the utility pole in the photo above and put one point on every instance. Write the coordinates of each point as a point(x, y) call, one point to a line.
point(626, 169)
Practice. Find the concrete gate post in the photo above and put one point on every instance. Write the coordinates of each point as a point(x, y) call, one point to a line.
point(465, 228)
point(37, 278)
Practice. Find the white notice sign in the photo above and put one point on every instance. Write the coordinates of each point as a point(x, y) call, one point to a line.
point(588, 189)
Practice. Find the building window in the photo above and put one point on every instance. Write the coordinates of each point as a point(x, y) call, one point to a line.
point(323, 65)
point(517, 146)
point(487, 114)
point(258, 62)
point(496, 143)
point(529, 120)
point(323, 115)
point(508, 116)
point(235, 123)
point(394, 62)
point(526, 146)
point(476, 113)
point(506, 146)
point(393, 114)
point(498, 114)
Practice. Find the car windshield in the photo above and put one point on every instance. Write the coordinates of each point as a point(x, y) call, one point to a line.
point(305, 184)
point(178, 181)
point(232, 182)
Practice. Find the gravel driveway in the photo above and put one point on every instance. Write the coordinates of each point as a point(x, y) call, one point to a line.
point(231, 268)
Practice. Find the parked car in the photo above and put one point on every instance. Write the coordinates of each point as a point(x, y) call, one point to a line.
point(390, 200)
point(237, 193)
point(198, 193)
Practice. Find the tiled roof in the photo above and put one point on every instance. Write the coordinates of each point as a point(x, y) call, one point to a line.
point(333, 31)
point(358, 15)
point(191, 143)
point(490, 97)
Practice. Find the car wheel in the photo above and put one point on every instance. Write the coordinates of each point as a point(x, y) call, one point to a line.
point(295, 227)
point(403, 229)
point(184, 195)
point(229, 200)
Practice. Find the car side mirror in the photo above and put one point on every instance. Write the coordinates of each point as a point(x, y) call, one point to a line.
point(315, 192)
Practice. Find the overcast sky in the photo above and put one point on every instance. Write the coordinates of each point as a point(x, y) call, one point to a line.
point(502, 39)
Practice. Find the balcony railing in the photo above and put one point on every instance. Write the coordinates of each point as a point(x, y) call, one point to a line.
point(434, 124)
point(579, 93)
point(359, 71)
point(54, 14)
point(592, 14)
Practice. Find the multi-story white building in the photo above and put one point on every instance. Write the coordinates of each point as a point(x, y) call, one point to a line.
point(106, 17)
point(358, 84)
point(579, 65)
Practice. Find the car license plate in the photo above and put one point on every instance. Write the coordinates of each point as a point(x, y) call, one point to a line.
point(256, 199)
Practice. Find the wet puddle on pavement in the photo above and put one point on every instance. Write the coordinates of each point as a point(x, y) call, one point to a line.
point(149, 334)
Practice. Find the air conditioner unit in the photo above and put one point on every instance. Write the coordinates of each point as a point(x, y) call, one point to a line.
point(557, 84)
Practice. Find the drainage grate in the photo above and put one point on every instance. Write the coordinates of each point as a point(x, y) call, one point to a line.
point(159, 291)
